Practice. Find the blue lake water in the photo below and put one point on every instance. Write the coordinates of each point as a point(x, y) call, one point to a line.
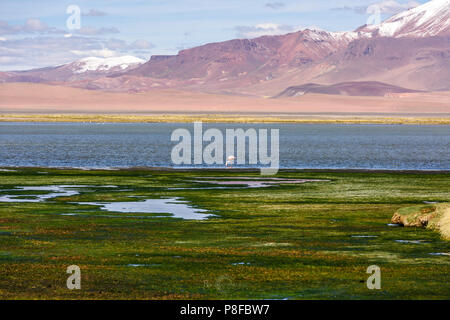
point(118, 145)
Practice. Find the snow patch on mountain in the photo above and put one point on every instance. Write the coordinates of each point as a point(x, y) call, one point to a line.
point(105, 64)
point(322, 35)
point(429, 19)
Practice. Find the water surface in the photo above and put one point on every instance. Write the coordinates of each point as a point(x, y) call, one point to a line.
point(173, 206)
point(119, 145)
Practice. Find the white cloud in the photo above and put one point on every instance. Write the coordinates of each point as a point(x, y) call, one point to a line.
point(94, 13)
point(392, 6)
point(265, 29)
point(102, 53)
point(275, 5)
point(388, 7)
point(2, 39)
point(117, 44)
point(90, 31)
point(141, 44)
point(35, 25)
point(31, 25)
point(45, 51)
point(7, 60)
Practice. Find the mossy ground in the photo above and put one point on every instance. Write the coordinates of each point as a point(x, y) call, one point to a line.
point(289, 241)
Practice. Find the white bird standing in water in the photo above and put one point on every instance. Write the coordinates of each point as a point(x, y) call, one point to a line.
point(230, 161)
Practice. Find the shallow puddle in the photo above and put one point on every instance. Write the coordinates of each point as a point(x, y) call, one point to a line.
point(364, 236)
point(272, 244)
point(412, 241)
point(173, 206)
point(254, 182)
point(241, 264)
point(54, 191)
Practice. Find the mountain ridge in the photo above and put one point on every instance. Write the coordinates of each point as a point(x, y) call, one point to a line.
point(81, 69)
point(410, 50)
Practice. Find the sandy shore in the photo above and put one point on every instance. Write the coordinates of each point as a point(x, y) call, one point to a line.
point(4, 169)
point(39, 98)
point(38, 102)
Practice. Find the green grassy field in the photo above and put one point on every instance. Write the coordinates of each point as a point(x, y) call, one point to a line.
point(296, 241)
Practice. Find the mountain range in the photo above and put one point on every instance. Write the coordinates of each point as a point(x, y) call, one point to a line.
point(409, 52)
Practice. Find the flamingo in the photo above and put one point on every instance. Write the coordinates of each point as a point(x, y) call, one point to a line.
point(230, 161)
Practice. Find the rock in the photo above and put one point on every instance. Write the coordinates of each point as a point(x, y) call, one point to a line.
point(430, 216)
point(418, 216)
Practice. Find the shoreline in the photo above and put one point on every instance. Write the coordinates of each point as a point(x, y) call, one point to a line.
point(438, 119)
point(13, 169)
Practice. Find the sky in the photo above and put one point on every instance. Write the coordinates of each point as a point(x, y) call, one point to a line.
point(43, 33)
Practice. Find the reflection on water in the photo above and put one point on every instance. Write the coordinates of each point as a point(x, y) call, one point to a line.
point(411, 241)
point(255, 182)
point(54, 191)
point(363, 236)
point(173, 206)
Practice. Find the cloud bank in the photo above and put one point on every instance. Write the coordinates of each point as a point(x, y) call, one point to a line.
point(389, 7)
point(265, 29)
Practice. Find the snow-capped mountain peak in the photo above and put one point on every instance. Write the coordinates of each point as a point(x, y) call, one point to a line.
point(333, 38)
point(430, 19)
point(105, 64)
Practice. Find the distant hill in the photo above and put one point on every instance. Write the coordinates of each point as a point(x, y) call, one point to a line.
point(366, 88)
point(89, 68)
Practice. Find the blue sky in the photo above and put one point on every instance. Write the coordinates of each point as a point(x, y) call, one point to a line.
point(35, 34)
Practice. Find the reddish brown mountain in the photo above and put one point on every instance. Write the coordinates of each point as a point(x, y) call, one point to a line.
point(416, 63)
point(409, 50)
point(244, 61)
point(368, 88)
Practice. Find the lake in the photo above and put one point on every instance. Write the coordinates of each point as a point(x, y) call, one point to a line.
point(120, 145)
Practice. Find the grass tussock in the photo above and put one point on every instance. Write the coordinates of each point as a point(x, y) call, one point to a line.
point(432, 216)
point(444, 220)
point(221, 118)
